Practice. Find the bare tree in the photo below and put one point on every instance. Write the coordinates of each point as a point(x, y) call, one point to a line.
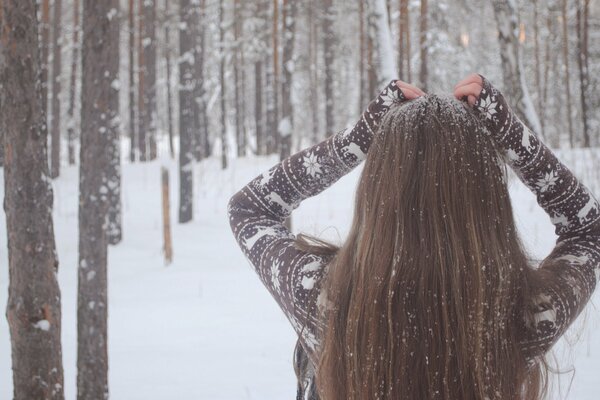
point(404, 42)
point(583, 12)
point(565, 52)
point(99, 110)
point(328, 56)
point(45, 45)
point(134, 141)
point(167, 53)
point(147, 80)
point(71, 135)
point(56, 86)
point(223, 85)
point(512, 70)
point(240, 131)
point(423, 45)
point(200, 139)
point(286, 124)
point(33, 309)
point(186, 109)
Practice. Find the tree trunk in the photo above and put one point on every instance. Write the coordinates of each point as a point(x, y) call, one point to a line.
point(384, 68)
point(223, 86)
point(537, 66)
point(186, 110)
point(33, 309)
point(404, 42)
point(258, 109)
point(565, 49)
point(56, 86)
point(286, 124)
point(167, 50)
point(200, 139)
point(166, 214)
point(71, 135)
point(328, 57)
point(314, 72)
point(512, 70)
point(582, 62)
point(147, 100)
point(362, 56)
point(238, 75)
point(45, 45)
point(134, 143)
point(99, 109)
point(423, 46)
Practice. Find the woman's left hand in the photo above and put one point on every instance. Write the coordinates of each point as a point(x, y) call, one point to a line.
point(410, 91)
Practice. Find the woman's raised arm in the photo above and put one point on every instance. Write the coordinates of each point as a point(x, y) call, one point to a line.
point(258, 211)
point(572, 270)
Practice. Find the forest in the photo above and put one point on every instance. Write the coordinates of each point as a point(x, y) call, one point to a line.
point(126, 125)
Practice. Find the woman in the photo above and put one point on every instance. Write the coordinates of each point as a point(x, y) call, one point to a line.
point(431, 296)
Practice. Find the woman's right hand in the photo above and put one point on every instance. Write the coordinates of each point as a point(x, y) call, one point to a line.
point(469, 89)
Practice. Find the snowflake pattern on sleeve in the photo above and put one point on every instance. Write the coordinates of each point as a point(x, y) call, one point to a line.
point(258, 211)
point(574, 264)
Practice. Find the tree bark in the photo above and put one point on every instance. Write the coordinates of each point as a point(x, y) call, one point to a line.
point(99, 109)
point(538, 64)
point(186, 110)
point(404, 42)
point(512, 70)
point(582, 62)
point(258, 109)
point(565, 52)
point(328, 57)
point(423, 46)
point(134, 142)
point(286, 124)
point(383, 63)
point(147, 100)
point(167, 50)
point(166, 214)
point(33, 308)
point(238, 74)
point(71, 135)
point(223, 85)
point(201, 146)
point(45, 45)
point(56, 87)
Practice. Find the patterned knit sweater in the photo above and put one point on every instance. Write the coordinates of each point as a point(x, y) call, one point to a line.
point(258, 211)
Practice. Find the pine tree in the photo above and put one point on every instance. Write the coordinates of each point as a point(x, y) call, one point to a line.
point(99, 111)
point(33, 309)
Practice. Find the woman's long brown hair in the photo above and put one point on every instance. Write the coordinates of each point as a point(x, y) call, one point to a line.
point(427, 291)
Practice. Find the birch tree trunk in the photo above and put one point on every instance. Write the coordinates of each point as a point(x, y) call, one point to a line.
point(186, 110)
point(56, 87)
point(99, 111)
point(33, 309)
point(71, 135)
point(385, 68)
point(510, 54)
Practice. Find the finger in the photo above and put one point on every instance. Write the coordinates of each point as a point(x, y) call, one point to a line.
point(469, 89)
point(409, 93)
point(472, 100)
point(472, 78)
point(404, 85)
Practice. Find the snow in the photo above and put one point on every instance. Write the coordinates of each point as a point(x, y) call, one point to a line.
point(42, 324)
point(204, 327)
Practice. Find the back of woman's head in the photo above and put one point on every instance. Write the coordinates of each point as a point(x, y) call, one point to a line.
point(428, 288)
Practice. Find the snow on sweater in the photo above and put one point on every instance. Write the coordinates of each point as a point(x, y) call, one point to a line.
point(258, 211)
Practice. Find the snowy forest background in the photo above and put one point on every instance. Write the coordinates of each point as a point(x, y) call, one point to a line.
point(156, 301)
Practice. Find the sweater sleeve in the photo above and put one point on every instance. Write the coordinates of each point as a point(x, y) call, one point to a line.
point(571, 271)
point(258, 211)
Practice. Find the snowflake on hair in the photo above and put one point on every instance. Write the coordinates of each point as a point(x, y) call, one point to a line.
point(311, 164)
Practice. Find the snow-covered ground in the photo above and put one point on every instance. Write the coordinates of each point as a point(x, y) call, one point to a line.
point(204, 327)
